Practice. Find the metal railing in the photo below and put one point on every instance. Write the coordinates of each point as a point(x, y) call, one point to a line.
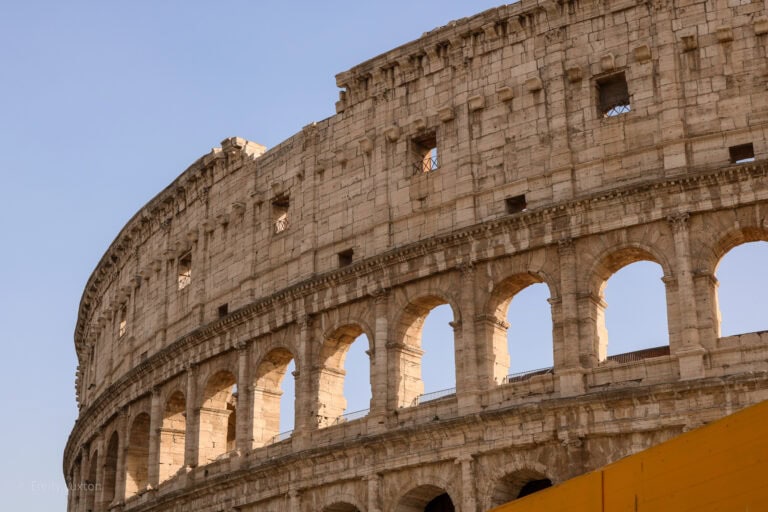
point(282, 436)
point(434, 395)
point(521, 376)
point(351, 416)
point(428, 164)
point(639, 355)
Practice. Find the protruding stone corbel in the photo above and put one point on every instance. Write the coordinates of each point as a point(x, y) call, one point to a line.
point(365, 144)
point(340, 155)
point(761, 25)
point(642, 53)
point(476, 102)
point(392, 133)
point(608, 62)
point(208, 225)
point(689, 42)
point(192, 235)
point(724, 34)
point(222, 218)
point(446, 114)
point(238, 209)
point(574, 74)
point(534, 84)
point(418, 124)
point(505, 93)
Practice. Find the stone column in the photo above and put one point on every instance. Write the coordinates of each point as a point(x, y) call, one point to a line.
point(193, 423)
point(373, 482)
point(468, 500)
point(305, 415)
point(155, 424)
point(294, 501)
point(121, 455)
point(244, 427)
point(378, 361)
point(689, 351)
point(467, 380)
point(567, 348)
point(83, 485)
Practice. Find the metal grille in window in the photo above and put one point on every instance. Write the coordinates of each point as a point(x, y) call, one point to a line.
point(613, 95)
point(424, 151)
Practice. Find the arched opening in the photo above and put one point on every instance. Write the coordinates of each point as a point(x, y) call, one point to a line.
point(216, 416)
point(344, 377)
point(634, 312)
point(518, 484)
point(268, 419)
point(173, 435)
point(110, 471)
point(741, 300)
point(341, 507)
point(90, 487)
point(137, 456)
point(425, 362)
point(529, 335)
point(425, 498)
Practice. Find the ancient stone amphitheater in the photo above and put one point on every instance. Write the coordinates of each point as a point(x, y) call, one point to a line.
point(540, 142)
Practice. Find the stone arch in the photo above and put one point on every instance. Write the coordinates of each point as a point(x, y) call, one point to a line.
point(267, 392)
point(499, 472)
point(517, 484)
point(407, 352)
point(605, 265)
point(137, 456)
point(722, 246)
point(109, 471)
point(217, 433)
point(494, 327)
point(173, 433)
point(330, 374)
point(343, 504)
point(425, 498)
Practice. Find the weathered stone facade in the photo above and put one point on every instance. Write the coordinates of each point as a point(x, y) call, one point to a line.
point(537, 142)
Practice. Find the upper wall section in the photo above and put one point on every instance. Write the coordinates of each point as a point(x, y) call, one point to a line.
point(509, 112)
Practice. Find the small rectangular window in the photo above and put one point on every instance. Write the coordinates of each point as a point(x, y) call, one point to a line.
point(345, 257)
point(613, 95)
point(185, 270)
point(742, 154)
point(424, 153)
point(516, 204)
point(123, 324)
point(223, 310)
point(280, 214)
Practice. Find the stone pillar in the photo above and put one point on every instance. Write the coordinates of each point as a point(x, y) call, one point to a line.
point(244, 427)
point(465, 343)
point(373, 482)
point(193, 423)
point(121, 453)
point(468, 499)
point(294, 501)
point(83, 485)
point(567, 349)
point(379, 382)
point(155, 424)
point(305, 414)
point(689, 351)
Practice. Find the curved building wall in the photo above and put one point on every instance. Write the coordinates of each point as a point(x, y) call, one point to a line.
point(537, 142)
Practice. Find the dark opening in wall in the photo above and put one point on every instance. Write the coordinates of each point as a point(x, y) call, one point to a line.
point(742, 153)
point(534, 486)
point(185, 270)
point(345, 257)
point(224, 310)
point(280, 213)
point(516, 204)
point(613, 95)
point(424, 153)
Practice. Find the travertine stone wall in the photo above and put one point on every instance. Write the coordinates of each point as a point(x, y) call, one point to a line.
point(252, 259)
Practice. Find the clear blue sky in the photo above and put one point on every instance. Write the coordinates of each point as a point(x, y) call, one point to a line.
point(102, 105)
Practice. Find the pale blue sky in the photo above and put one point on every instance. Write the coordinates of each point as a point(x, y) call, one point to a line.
point(105, 103)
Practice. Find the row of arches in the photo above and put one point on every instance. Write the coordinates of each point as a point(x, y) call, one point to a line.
point(268, 398)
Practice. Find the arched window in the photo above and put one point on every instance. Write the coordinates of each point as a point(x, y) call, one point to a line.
point(344, 378)
point(635, 313)
point(269, 386)
point(110, 471)
point(173, 436)
point(425, 498)
point(741, 295)
point(217, 433)
point(529, 336)
point(137, 456)
point(426, 367)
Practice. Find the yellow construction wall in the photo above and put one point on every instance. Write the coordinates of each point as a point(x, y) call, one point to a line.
point(720, 467)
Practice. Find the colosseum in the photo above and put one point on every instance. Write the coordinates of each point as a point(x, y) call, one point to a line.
point(544, 141)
